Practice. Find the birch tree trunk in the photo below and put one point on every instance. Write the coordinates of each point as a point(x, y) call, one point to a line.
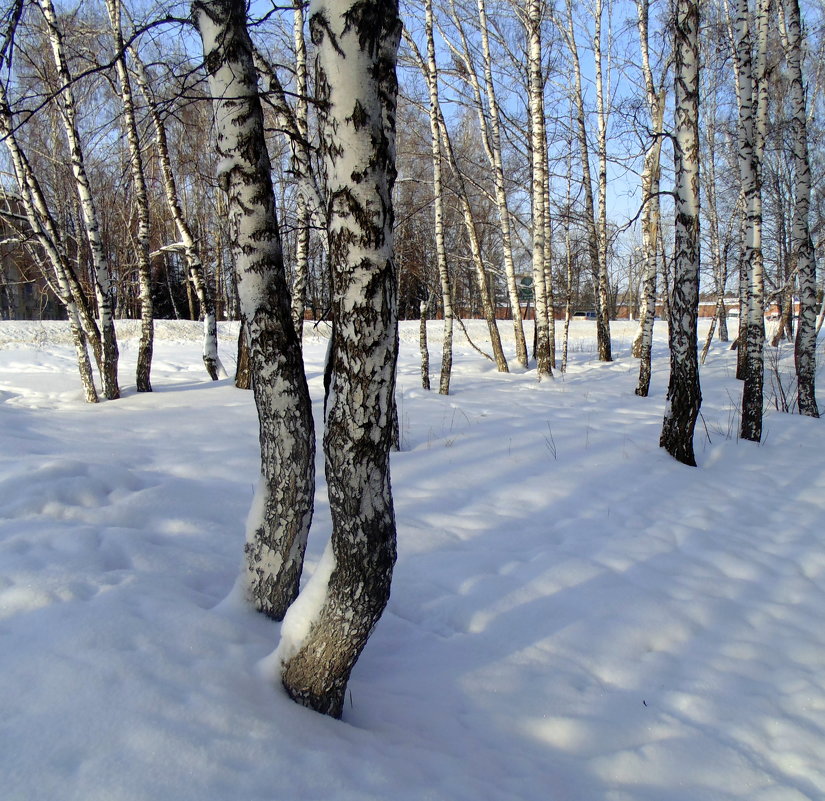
point(489, 119)
point(422, 345)
point(438, 204)
point(357, 48)
point(720, 269)
point(301, 271)
point(602, 284)
point(41, 222)
point(805, 344)
point(100, 267)
point(650, 197)
point(683, 395)
point(194, 265)
point(46, 234)
point(467, 213)
point(752, 113)
point(282, 510)
point(487, 303)
point(539, 171)
point(147, 322)
point(593, 244)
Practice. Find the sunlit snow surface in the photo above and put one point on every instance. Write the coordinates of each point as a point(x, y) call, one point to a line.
point(575, 616)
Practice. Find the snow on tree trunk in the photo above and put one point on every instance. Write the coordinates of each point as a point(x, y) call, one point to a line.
point(279, 521)
point(805, 345)
point(683, 395)
point(147, 322)
point(752, 110)
point(194, 265)
point(102, 280)
point(357, 48)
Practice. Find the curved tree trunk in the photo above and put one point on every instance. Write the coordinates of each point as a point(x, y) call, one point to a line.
point(279, 522)
point(109, 350)
point(357, 46)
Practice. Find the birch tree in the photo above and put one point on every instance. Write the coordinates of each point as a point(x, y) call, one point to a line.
point(602, 284)
point(211, 360)
point(147, 323)
point(301, 268)
point(438, 203)
point(752, 123)
point(597, 258)
point(357, 44)
point(102, 277)
point(684, 396)
point(489, 119)
point(42, 226)
point(282, 509)
point(650, 197)
point(805, 344)
point(538, 151)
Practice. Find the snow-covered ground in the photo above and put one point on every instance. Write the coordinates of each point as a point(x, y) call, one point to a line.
point(575, 616)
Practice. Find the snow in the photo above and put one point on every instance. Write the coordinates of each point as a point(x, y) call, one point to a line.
point(574, 614)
